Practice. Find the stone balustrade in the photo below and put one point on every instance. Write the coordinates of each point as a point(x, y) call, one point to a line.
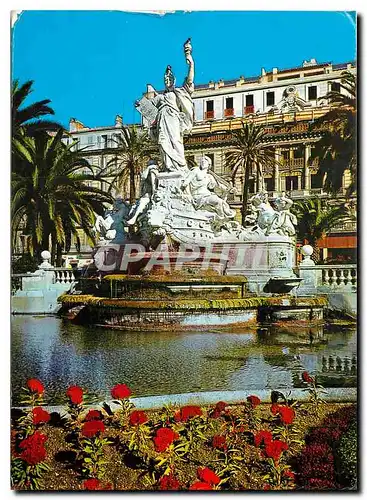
point(336, 277)
point(63, 275)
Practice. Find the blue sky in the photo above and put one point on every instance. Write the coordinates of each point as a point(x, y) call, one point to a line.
point(95, 64)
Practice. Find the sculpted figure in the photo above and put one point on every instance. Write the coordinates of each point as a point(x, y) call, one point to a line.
point(286, 220)
point(147, 187)
point(111, 226)
point(175, 116)
point(202, 184)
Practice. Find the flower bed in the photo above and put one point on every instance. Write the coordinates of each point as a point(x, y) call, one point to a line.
point(250, 446)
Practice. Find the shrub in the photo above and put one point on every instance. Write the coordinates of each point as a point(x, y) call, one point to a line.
point(347, 455)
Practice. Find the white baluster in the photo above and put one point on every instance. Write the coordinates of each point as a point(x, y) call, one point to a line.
point(333, 280)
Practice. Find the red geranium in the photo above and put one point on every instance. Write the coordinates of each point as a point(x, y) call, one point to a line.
point(287, 473)
point(33, 448)
point(274, 449)
point(93, 415)
point(164, 438)
point(35, 385)
point(169, 482)
point(219, 408)
point(306, 377)
point(274, 408)
point(287, 414)
point(207, 475)
point(263, 437)
point(120, 391)
point(75, 394)
point(200, 486)
point(138, 417)
point(90, 429)
point(266, 487)
point(92, 484)
point(40, 416)
point(188, 412)
point(219, 442)
point(254, 401)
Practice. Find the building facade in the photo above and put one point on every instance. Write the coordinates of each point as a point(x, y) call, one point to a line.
point(286, 102)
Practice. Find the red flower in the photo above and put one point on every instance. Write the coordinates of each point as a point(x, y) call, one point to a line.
point(91, 428)
point(207, 475)
point(287, 414)
point(287, 473)
point(75, 394)
point(33, 448)
point(40, 416)
point(266, 487)
point(200, 486)
point(274, 449)
point(254, 400)
point(306, 377)
point(188, 412)
point(164, 438)
point(35, 385)
point(219, 442)
point(120, 391)
point(219, 408)
point(274, 408)
point(169, 482)
point(263, 437)
point(92, 484)
point(93, 415)
point(138, 417)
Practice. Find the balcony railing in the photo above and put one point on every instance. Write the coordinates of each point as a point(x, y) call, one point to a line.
point(345, 227)
point(229, 112)
point(249, 110)
point(293, 163)
point(209, 115)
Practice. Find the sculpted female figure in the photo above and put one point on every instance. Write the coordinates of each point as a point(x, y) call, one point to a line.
point(175, 116)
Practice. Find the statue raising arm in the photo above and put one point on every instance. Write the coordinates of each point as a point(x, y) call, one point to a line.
point(189, 81)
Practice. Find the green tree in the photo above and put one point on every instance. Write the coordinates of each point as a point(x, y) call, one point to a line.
point(27, 117)
point(53, 194)
point(249, 151)
point(336, 150)
point(316, 219)
point(134, 150)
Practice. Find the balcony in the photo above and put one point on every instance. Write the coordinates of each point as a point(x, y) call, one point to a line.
point(228, 112)
point(249, 110)
point(209, 115)
point(291, 163)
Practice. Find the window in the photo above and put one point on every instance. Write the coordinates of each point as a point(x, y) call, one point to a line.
point(291, 183)
point(210, 105)
point(211, 156)
point(229, 102)
point(249, 100)
point(269, 183)
point(251, 185)
point(285, 155)
point(105, 141)
point(335, 87)
point(316, 181)
point(312, 93)
point(90, 139)
point(270, 98)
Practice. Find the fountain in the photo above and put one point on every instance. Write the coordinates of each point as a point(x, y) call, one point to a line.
point(183, 226)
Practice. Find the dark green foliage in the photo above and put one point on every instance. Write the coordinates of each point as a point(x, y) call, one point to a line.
point(347, 454)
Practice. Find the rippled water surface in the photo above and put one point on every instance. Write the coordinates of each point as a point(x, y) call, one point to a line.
point(153, 363)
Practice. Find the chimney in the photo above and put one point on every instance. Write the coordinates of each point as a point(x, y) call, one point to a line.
point(118, 121)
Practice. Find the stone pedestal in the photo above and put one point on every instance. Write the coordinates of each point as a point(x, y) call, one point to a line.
point(308, 273)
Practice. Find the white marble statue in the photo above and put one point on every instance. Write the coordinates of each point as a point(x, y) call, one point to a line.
point(202, 183)
point(279, 220)
point(175, 115)
point(112, 225)
point(147, 188)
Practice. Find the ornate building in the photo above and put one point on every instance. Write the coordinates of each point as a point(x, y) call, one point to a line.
point(285, 102)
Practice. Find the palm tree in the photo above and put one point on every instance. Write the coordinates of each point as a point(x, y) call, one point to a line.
point(134, 150)
point(249, 150)
point(317, 219)
point(336, 150)
point(52, 194)
point(27, 117)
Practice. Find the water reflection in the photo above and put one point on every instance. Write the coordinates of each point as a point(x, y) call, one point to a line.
point(155, 363)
